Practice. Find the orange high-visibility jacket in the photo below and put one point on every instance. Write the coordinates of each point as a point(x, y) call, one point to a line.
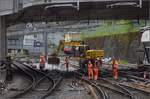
point(116, 64)
point(90, 66)
point(96, 69)
point(42, 60)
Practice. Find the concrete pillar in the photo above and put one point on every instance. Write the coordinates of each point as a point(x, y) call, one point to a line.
point(3, 39)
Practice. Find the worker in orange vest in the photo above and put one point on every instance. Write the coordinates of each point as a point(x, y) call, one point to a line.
point(96, 70)
point(99, 63)
point(67, 63)
point(42, 62)
point(115, 68)
point(90, 70)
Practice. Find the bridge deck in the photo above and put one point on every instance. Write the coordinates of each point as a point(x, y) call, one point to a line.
point(53, 10)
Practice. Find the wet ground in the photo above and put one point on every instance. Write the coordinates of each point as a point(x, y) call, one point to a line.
point(71, 88)
point(68, 90)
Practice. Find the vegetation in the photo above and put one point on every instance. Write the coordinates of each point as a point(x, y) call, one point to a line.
point(125, 62)
point(110, 27)
point(117, 38)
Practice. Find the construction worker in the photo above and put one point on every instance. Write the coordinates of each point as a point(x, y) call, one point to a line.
point(96, 70)
point(42, 62)
point(115, 68)
point(90, 70)
point(99, 63)
point(67, 63)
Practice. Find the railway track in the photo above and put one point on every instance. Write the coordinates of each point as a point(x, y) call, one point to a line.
point(32, 82)
point(116, 87)
point(134, 76)
point(35, 89)
point(109, 90)
point(115, 90)
point(98, 91)
point(137, 92)
point(41, 84)
point(101, 93)
point(103, 88)
point(129, 74)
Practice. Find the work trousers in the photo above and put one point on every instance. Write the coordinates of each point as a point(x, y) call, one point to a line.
point(90, 73)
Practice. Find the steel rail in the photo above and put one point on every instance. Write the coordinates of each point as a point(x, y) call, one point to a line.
point(52, 89)
point(29, 87)
point(126, 75)
point(41, 79)
point(128, 93)
point(40, 72)
point(125, 91)
point(132, 88)
point(101, 91)
point(49, 89)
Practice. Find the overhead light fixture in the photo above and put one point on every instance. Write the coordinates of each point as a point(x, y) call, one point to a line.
point(134, 4)
point(59, 5)
point(64, 5)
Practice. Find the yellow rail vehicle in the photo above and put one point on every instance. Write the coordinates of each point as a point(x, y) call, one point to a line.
point(93, 54)
point(90, 55)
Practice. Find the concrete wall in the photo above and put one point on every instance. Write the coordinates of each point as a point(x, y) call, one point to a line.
point(123, 46)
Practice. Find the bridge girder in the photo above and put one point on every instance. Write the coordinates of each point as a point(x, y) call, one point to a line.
point(86, 11)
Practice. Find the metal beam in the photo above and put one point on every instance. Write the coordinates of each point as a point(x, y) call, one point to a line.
point(59, 10)
point(10, 6)
point(61, 29)
point(6, 7)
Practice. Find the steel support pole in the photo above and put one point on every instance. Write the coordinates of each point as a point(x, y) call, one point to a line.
point(45, 45)
point(3, 48)
point(3, 39)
